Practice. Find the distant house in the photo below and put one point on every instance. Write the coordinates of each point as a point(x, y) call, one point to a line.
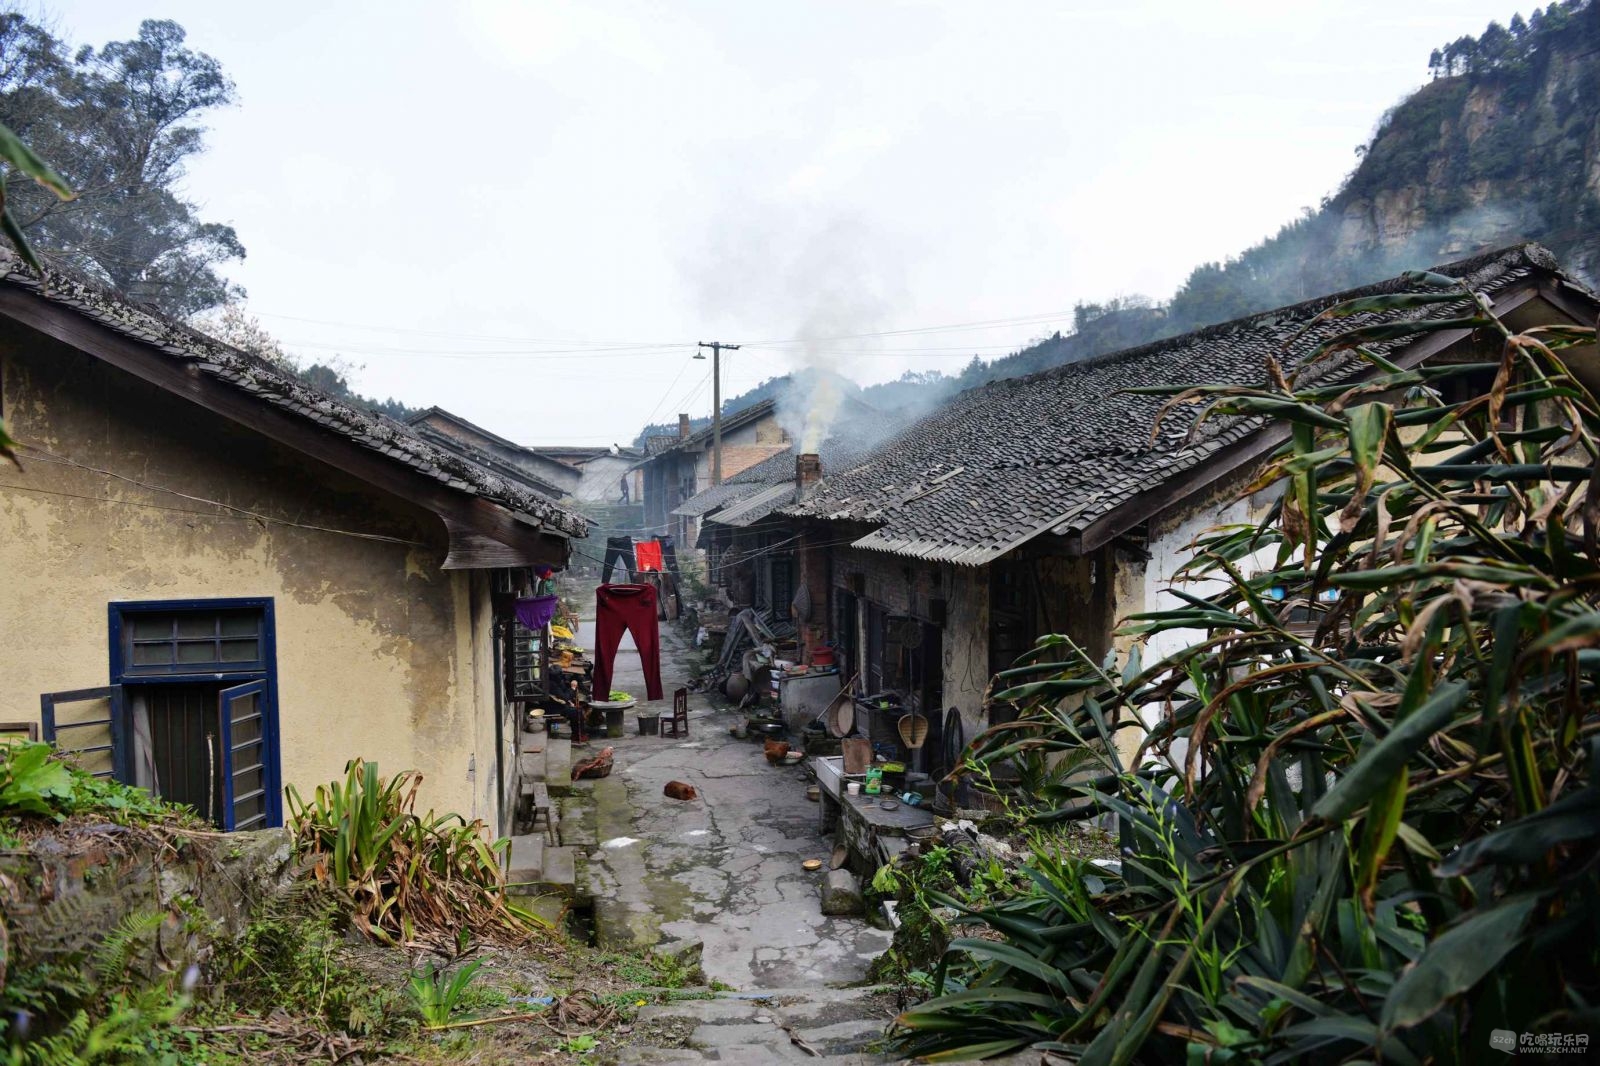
point(220, 581)
point(1049, 503)
point(677, 469)
point(752, 551)
point(585, 474)
point(450, 430)
point(608, 474)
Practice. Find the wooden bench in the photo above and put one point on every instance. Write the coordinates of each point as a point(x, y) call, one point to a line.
point(541, 807)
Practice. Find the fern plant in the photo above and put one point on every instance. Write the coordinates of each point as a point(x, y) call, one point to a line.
point(121, 948)
point(136, 1029)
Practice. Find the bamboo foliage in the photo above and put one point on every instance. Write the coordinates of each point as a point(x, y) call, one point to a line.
point(1374, 836)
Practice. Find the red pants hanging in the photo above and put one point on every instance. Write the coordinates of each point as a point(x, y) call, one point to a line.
point(631, 608)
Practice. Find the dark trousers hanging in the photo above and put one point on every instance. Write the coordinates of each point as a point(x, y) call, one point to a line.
point(632, 609)
point(618, 550)
point(669, 555)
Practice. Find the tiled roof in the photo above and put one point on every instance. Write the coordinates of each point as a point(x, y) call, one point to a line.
point(753, 498)
point(730, 422)
point(1054, 451)
point(716, 496)
point(749, 511)
point(267, 384)
point(422, 417)
point(489, 461)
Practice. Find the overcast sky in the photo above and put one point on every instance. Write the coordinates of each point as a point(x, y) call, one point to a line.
point(529, 212)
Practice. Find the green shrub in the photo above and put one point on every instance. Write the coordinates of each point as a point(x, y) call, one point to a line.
point(1375, 841)
point(37, 782)
point(288, 956)
point(438, 992)
point(408, 876)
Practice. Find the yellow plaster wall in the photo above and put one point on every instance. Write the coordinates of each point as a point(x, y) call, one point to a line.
point(379, 652)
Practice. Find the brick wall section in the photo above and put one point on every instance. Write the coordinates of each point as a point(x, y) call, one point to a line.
point(814, 567)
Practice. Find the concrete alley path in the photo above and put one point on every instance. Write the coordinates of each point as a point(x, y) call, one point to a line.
point(724, 868)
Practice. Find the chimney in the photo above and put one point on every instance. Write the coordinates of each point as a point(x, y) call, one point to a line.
point(807, 472)
point(683, 427)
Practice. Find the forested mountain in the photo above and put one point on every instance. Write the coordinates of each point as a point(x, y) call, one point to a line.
point(1502, 145)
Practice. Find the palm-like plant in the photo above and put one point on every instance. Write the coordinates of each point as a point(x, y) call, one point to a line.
point(409, 877)
point(1377, 839)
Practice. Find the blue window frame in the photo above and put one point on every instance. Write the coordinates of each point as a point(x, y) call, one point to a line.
point(223, 650)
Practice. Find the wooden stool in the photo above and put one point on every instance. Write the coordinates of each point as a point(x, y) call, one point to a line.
point(680, 715)
point(541, 806)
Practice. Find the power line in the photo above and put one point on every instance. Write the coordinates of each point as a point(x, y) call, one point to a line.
point(667, 392)
point(582, 346)
point(577, 348)
point(521, 353)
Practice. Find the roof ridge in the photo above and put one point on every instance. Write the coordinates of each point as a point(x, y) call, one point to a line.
point(1083, 439)
point(271, 384)
point(1530, 253)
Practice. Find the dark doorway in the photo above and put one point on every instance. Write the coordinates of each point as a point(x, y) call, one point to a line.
point(185, 744)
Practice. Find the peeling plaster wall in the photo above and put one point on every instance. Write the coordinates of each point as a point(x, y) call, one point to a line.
point(904, 586)
point(1145, 586)
point(380, 654)
point(966, 644)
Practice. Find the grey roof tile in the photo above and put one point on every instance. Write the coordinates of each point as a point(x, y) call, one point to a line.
point(267, 384)
point(1054, 451)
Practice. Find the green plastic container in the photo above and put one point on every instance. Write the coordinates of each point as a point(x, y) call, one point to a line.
point(874, 783)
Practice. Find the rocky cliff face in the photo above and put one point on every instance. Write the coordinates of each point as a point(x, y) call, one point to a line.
point(1475, 161)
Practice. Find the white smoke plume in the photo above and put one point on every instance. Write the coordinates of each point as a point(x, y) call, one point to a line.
point(828, 279)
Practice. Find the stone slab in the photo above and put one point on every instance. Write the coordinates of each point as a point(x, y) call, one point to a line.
point(560, 871)
point(530, 765)
point(841, 894)
point(576, 821)
point(738, 1034)
point(558, 766)
point(525, 861)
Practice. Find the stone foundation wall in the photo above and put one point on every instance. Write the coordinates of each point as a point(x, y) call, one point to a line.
point(66, 892)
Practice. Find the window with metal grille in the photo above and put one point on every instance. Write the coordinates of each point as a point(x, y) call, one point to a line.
point(782, 585)
point(186, 642)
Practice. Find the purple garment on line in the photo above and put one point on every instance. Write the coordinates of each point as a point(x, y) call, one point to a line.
point(535, 613)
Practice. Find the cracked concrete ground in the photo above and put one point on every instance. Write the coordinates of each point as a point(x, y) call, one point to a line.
point(723, 868)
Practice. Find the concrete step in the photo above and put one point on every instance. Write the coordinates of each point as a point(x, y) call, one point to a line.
point(576, 819)
point(741, 1006)
point(558, 874)
point(558, 766)
point(777, 1051)
point(530, 762)
point(525, 861)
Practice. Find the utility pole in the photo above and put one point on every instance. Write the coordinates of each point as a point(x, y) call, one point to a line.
point(717, 348)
